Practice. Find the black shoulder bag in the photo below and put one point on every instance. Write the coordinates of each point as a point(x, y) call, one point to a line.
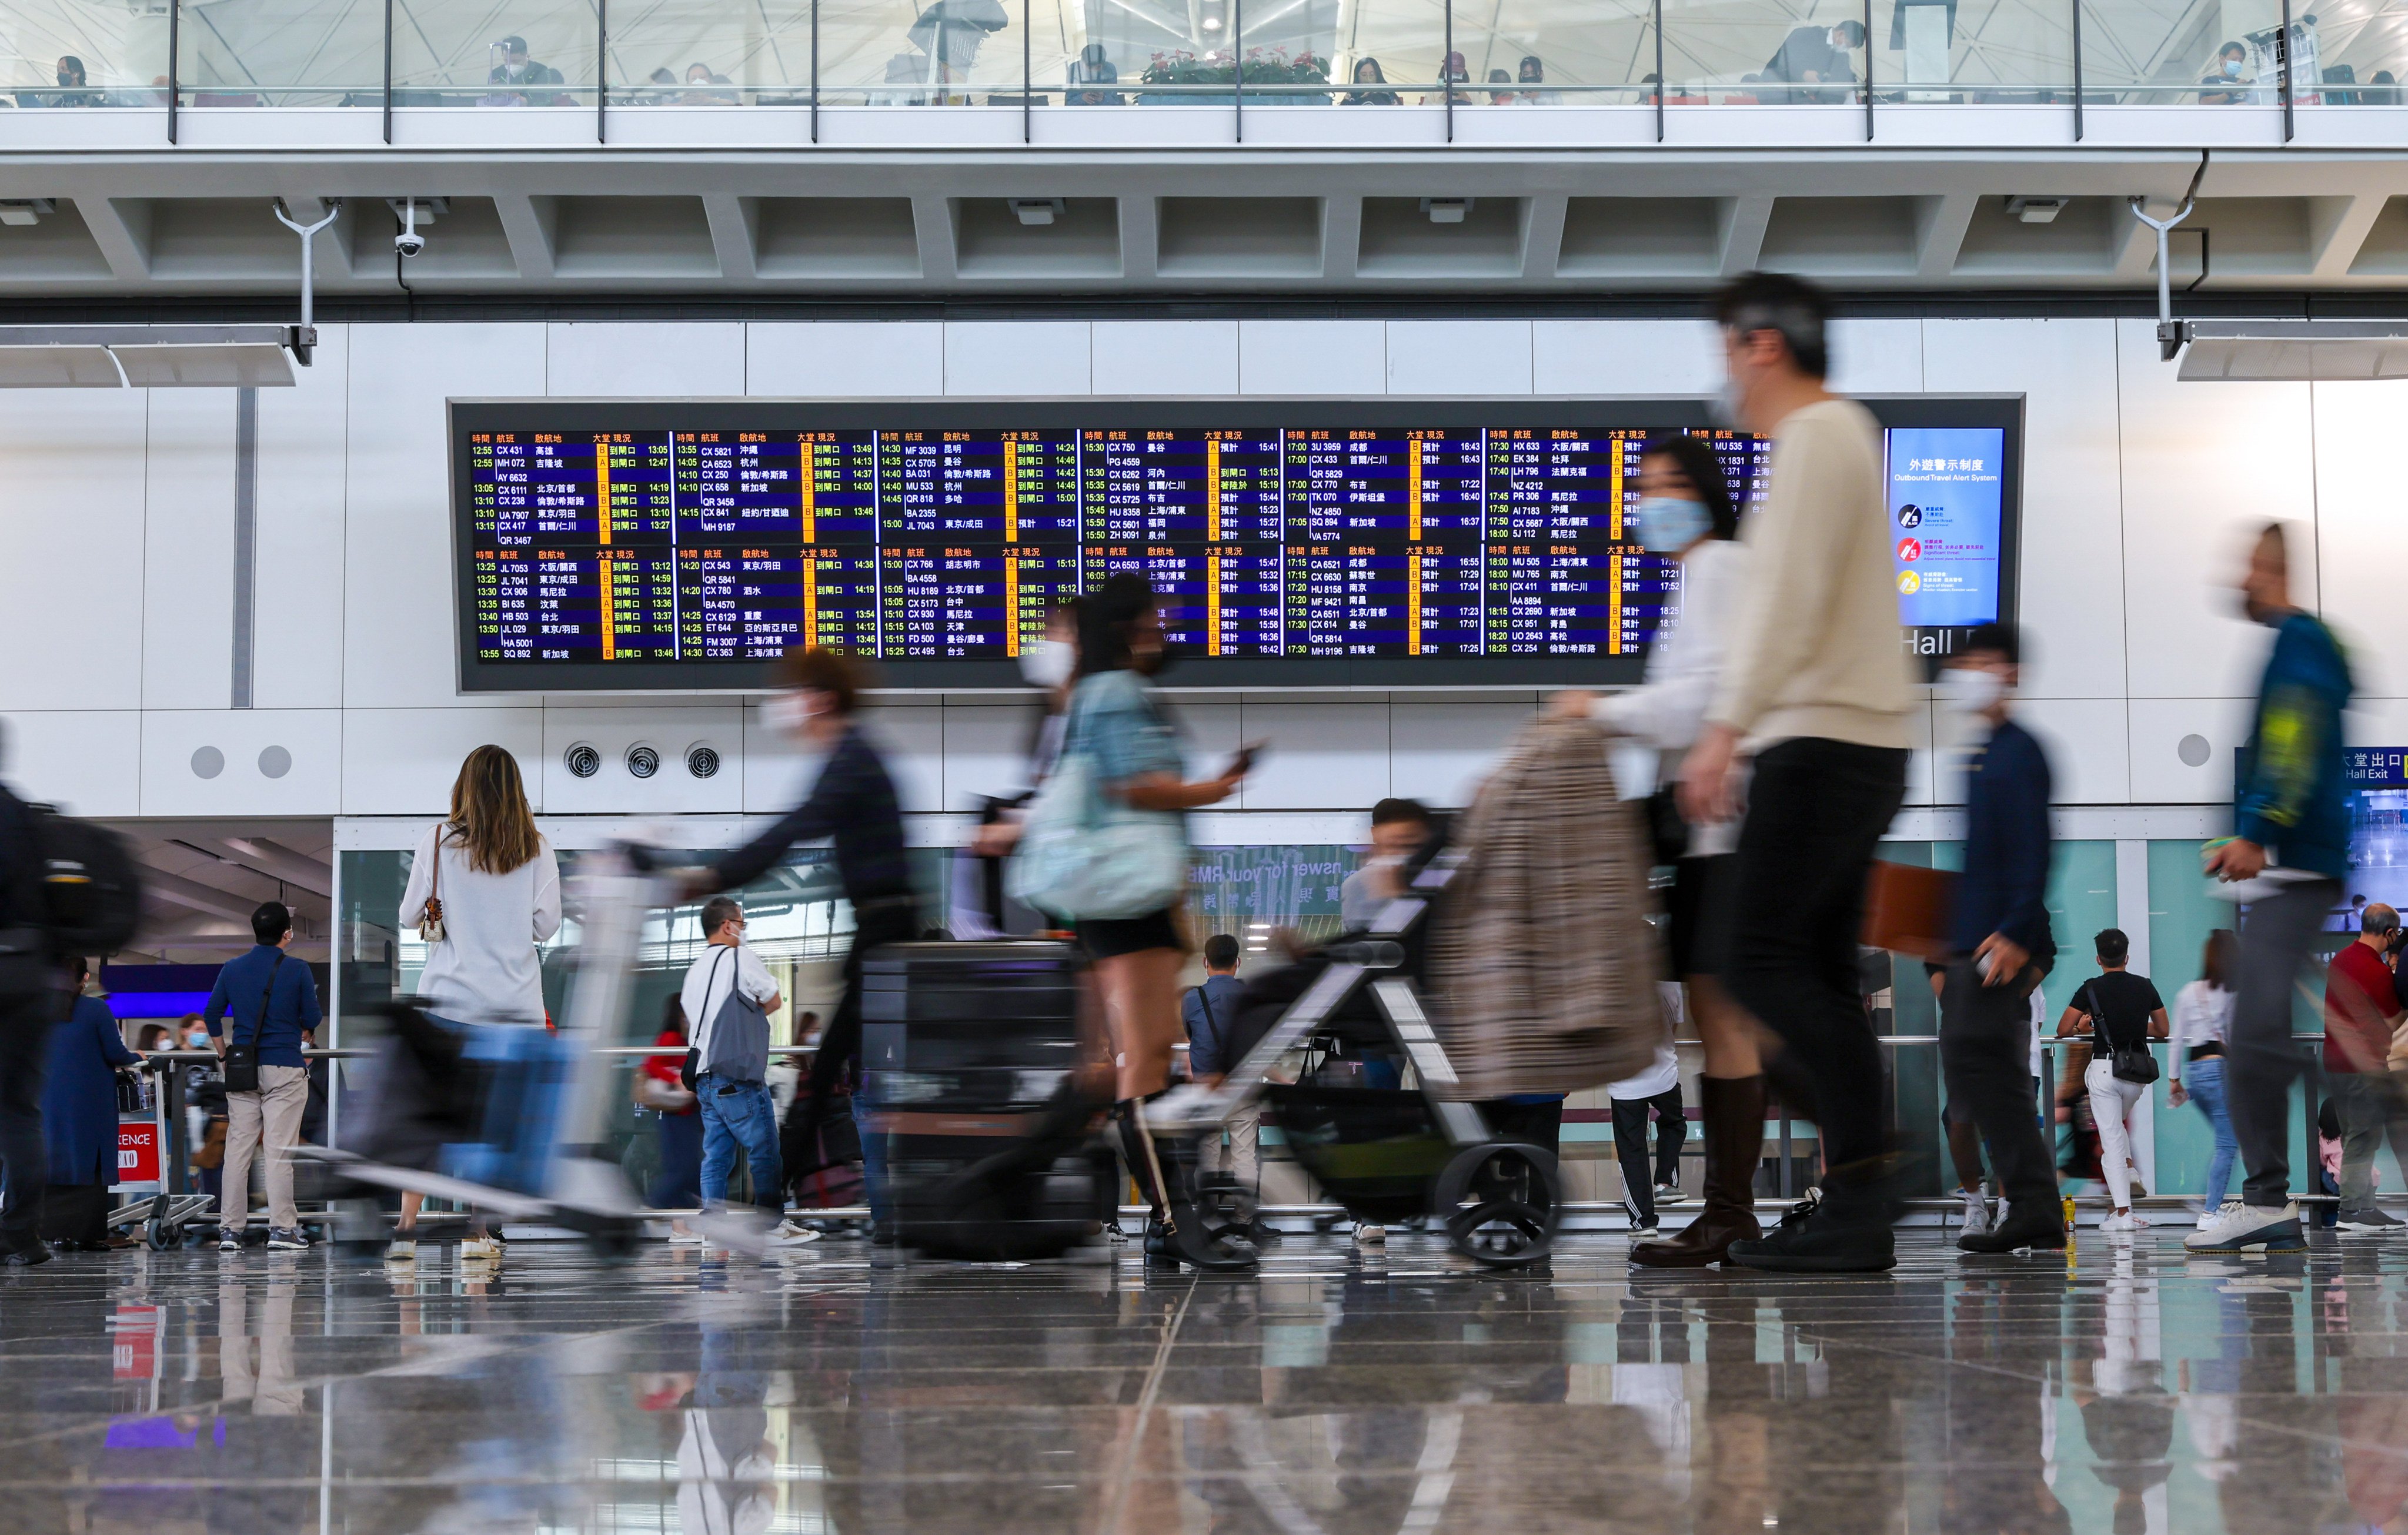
point(241, 1061)
point(2132, 1063)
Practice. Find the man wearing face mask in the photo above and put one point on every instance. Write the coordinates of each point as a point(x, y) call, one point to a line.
point(1816, 689)
point(2001, 946)
point(2290, 849)
point(853, 802)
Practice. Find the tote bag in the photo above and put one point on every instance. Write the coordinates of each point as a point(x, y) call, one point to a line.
point(1085, 858)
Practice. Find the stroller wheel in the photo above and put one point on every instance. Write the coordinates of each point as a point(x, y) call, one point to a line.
point(156, 1236)
point(1501, 1204)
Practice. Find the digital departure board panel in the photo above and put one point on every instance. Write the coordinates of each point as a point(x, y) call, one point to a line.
point(686, 544)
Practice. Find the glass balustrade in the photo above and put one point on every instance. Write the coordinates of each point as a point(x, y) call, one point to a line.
point(1470, 54)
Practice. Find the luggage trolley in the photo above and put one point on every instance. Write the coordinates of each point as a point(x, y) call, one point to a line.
point(155, 1207)
point(514, 1120)
point(1386, 1152)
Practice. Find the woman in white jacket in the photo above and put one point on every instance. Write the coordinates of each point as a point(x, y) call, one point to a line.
point(1685, 510)
point(491, 879)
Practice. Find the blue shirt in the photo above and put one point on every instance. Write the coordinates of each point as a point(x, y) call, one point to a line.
point(291, 1009)
point(2292, 799)
point(2004, 887)
point(1207, 1031)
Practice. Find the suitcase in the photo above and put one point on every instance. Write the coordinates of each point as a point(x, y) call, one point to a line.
point(972, 1085)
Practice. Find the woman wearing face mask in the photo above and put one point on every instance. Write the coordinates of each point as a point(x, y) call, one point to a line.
point(1685, 510)
point(1115, 723)
point(852, 803)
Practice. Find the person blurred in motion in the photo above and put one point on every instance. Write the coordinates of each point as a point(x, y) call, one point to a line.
point(484, 888)
point(32, 996)
point(2202, 1014)
point(263, 1001)
point(1655, 1090)
point(1049, 664)
point(1815, 687)
point(2120, 1012)
point(1400, 829)
point(852, 803)
point(2288, 853)
point(1210, 1013)
point(2001, 946)
point(677, 1183)
point(1686, 511)
point(1136, 759)
point(727, 998)
point(2361, 1010)
point(80, 1116)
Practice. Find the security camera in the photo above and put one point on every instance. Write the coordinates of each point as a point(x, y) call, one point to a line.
point(410, 243)
point(412, 211)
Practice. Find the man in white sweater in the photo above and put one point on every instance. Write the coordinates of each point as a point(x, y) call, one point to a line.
point(1816, 694)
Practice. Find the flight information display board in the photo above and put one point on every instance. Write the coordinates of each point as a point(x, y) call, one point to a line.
point(686, 544)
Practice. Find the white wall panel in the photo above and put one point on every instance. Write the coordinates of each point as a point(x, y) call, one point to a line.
point(910, 737)
point(1626, 357)
point(1460, 357)
point(2361, 513)
point(2088, 741)
point(402, 761)
point(1034, 357)
point(1321, 757)
point(87, 762)
point(2204, 464)
point(1437, 752)
point(397, 625)
point(71, 526)
point(669, 731)
point(304, 434)
point(188, 529)
point(985, 751)
point(2073, 582)
point(309, 739)
point(1165, 357)
point(845, 359)
point(2158, 729)
point(668, 360)
point(1926, 770)
point(1877, 356)
point(1312, 356)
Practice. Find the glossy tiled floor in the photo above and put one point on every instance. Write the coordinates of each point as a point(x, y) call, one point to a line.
point(2129, 1390)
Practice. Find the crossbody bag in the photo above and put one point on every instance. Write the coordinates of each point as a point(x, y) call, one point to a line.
point(2132, 1063)
point(241, 1061)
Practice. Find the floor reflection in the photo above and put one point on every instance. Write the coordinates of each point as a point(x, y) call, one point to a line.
point(2132, 1390)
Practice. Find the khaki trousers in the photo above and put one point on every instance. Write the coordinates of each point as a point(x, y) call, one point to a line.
point(274, 1112)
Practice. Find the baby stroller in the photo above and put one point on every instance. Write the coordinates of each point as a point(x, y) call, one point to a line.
point(1357, 1080)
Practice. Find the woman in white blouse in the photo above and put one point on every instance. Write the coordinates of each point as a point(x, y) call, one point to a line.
point(2202, 1011)
point(1686, 511)
point(491, 878)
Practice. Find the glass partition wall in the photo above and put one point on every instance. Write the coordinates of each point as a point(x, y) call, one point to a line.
point(1460, 55)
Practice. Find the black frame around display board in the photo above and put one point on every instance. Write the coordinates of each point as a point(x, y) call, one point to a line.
point(473, 419)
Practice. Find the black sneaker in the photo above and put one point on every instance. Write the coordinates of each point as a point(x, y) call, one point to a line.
point(2040, 1230)
point(287, 1238)
point(27, 1256)
point(229, 1240)
point(1823, 1242)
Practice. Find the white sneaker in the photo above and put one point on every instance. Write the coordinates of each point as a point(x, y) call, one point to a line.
point(1977, 1213)
point(401, 1250)
point(787, 1234)
point(2209, 1217)
point(2239, 1227)
point(685, 1238)
point(2140, 1220)
point(1644, 1233)
point(480, 1250)
point(1670, 1194)
point(1366, 1234)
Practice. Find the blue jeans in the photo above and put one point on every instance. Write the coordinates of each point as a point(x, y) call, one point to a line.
point(738, 1114)
point(873, 1152)
point(2205, 1082)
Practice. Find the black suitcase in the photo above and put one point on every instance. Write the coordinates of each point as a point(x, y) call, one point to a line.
point(971, 1054)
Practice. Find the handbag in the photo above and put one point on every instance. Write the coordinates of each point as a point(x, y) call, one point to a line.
point(211, 1155)
point(430, 919)
point(1085, 858)
point(2132, 1063)
point(240, 1063)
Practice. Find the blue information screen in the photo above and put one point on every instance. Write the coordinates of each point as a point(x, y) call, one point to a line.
point(1946, 504)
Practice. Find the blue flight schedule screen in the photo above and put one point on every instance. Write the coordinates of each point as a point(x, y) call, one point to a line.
point(645, 544)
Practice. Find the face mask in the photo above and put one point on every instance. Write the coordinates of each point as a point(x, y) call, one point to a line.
point(786, 712)
point(1969, 690)
point(1724, 407)
point(1668, 526)
point(1048, 662)
point(2232, 67)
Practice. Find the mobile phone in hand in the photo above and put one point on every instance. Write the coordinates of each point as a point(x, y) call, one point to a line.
point(1243, 762)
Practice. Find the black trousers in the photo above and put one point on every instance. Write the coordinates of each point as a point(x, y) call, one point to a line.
point(24, 1162)
point(841, 1042)
point(1815, 812)
point(1985, 1054)
point(1630, 1147)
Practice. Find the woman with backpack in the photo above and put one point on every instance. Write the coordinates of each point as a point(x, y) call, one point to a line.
point(483, 891)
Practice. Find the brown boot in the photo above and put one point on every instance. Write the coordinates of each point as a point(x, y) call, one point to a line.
point(1734, 1132)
